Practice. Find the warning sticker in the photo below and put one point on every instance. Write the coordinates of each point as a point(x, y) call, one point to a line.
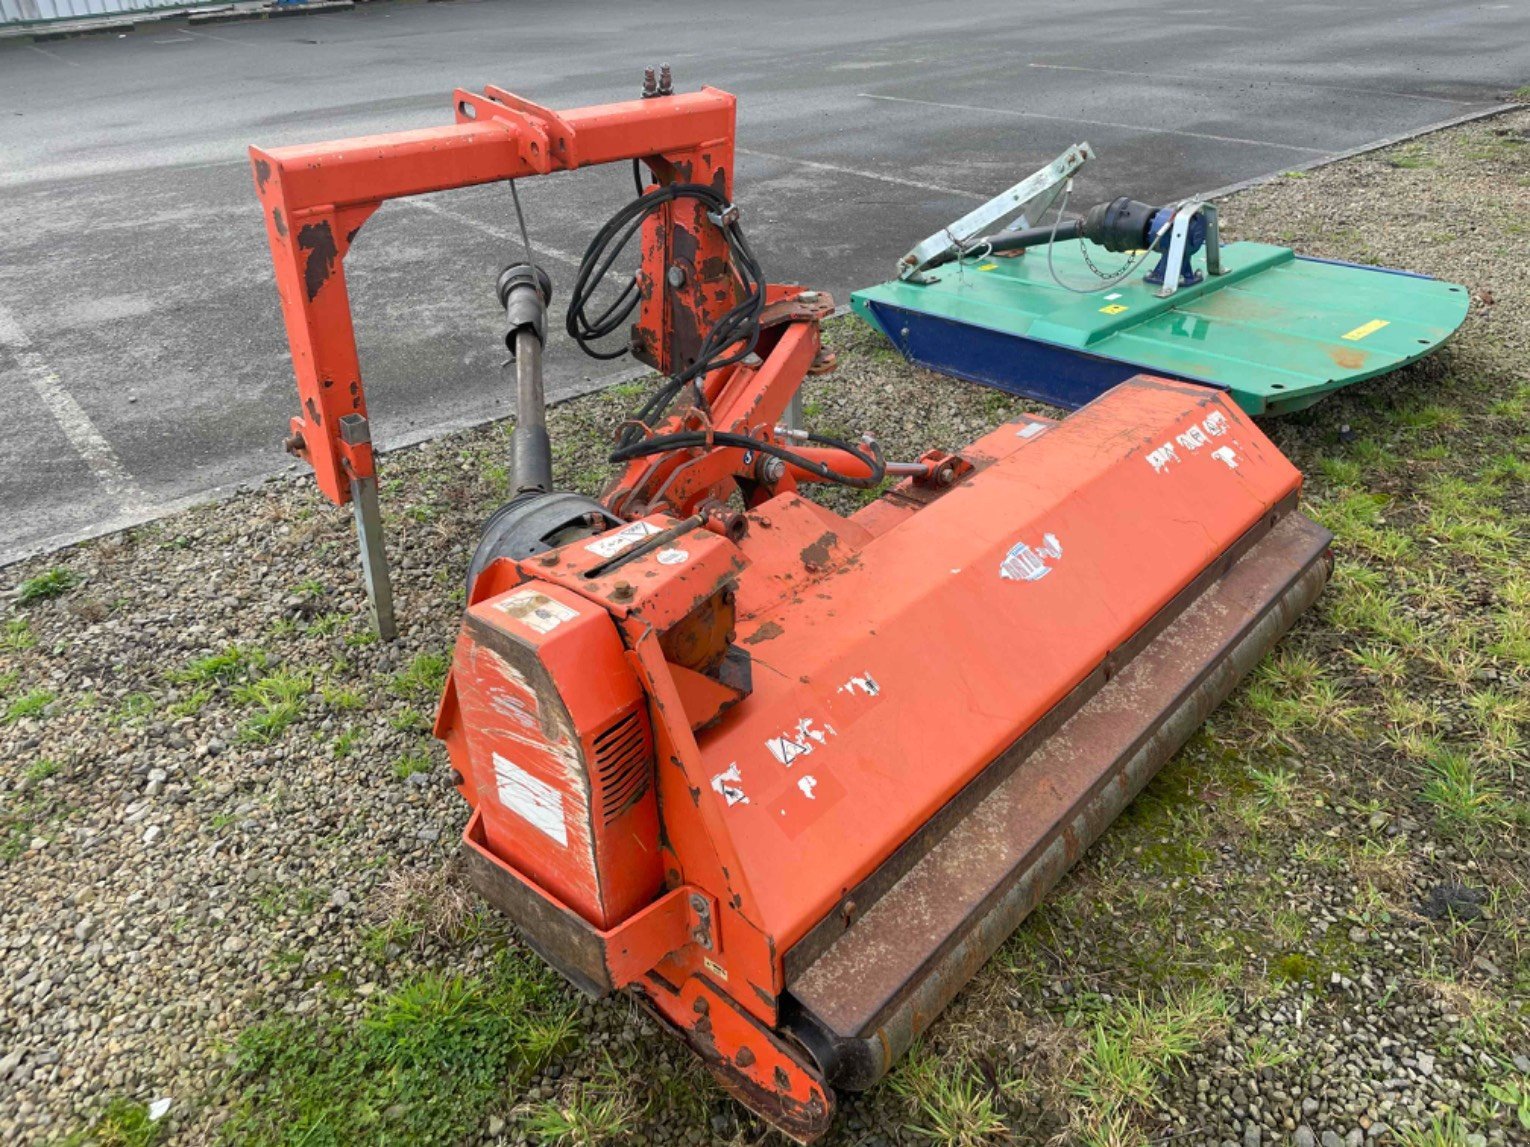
point(613, 544)
point(1024, 563)
point(1364, 329)
point(537, 610)
point(1114, 309)
point(534, 801)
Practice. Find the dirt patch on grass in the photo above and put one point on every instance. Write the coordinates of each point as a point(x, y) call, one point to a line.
point(226, 838)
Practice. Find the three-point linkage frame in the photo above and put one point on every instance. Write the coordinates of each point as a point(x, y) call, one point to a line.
point(317, 197)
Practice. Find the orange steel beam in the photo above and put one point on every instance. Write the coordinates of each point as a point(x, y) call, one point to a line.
point(315, 199)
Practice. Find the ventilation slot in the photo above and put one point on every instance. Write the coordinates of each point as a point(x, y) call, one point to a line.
point(621, 764)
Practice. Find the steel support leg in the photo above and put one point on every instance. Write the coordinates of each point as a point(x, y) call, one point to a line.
point(791, 418)
point(374, 561)
point(1213, 240)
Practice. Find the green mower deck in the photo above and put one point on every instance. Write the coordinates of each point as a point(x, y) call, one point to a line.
point(1276, 329)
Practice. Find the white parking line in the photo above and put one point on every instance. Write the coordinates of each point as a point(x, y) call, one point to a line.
point(1216, 79)
point(1098, 123)
point(70, 416)
point(503, 234)
point(55, 56)
point(877, 175)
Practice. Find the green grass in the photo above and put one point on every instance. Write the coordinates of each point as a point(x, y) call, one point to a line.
point(1130, 1047)
point(122, 1123)
point(343, 699)
point(1408, 158)
point(410, 764)
point(278, 699)
point(950, 1104)
point(48, 584)
point(189, 705)
point(17, 637)
point(1464, 799)
point(598, 1112)
point(426, 1063)
point(1513, 1092)
point(1446, 1130)
point(233, 664)
point(424, 676)
point(30, 704)
point(40, 770)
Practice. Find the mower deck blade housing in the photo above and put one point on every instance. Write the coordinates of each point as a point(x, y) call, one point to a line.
point(1278, 330)
point(949, 695)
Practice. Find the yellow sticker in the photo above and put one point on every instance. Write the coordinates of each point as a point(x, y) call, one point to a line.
point(1113, 309)
point(1369, 328)
point(988, 266)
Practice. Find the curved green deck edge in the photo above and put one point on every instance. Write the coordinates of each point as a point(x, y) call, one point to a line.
point(1279, 330)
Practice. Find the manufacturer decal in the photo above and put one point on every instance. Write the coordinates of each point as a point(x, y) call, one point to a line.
point(715, 968)
point(613, 544)
point(1160, 458)
point(1023, 563)
point(536, 610)
point(1191, 439)
point(533, 800)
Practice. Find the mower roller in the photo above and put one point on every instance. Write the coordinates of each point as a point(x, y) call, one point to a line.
point(787, 776)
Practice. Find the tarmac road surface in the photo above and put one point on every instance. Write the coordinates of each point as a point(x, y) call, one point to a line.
point(142, 360)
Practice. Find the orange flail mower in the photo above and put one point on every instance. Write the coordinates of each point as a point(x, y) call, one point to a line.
point(787, 776)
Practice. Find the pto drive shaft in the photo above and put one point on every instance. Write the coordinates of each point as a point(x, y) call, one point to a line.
point(524, 292)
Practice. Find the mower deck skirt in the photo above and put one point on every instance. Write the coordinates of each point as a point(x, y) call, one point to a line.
point(861, 1003)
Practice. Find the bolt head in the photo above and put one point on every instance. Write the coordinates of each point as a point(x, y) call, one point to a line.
point(675, 276)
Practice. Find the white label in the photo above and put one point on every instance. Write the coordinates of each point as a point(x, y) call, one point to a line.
point(866, 683)
point(613, 544)
point(807, 785)
point(798, 742)
point(672, 557)
point(533, 800)
point(1159, 459)
point(536, 610)
point(729, 784)
point(1031, 429)
point(1113, 296)
point(716, 969)
point(1023, 563)
point(1225, 454)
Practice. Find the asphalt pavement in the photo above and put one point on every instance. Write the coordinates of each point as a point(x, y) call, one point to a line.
point(142, 358)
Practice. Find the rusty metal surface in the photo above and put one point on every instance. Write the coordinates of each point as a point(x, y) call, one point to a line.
point(888, 977)
point(767, 1074)
point(559, 936)
point(859, 899)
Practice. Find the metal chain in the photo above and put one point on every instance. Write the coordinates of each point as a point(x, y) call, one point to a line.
point(1122, 272)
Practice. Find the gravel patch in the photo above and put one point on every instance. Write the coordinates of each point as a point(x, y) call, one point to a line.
point(222, 807)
